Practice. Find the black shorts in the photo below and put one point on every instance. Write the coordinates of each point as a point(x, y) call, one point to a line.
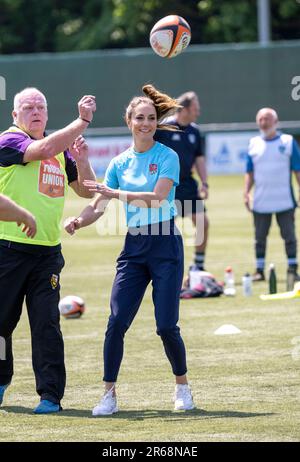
point(188, 207)
point(187, 198)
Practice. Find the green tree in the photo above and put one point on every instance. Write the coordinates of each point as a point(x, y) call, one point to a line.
point(228, 21)
point(65, 25)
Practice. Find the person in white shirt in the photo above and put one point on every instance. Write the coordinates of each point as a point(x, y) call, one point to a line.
point(272, 157)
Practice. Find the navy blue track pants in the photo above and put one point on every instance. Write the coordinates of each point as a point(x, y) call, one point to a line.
point(145, 258)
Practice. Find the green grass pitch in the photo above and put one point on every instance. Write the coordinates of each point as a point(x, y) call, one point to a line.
point(246, 386)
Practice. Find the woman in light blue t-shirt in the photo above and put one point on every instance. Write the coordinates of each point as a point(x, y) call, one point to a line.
point(144, 177)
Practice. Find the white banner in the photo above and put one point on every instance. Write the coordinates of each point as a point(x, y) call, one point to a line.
point(103, 149)
point(226, 152)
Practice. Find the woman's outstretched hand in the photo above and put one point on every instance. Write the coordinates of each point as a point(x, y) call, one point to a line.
point(100, 188)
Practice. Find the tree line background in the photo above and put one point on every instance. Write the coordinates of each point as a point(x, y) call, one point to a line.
point(28, 26)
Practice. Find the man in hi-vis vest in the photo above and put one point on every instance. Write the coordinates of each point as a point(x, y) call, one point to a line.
point(35, 171)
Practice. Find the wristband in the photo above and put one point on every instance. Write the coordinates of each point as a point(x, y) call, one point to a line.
point(205, 185)
point(85, 120)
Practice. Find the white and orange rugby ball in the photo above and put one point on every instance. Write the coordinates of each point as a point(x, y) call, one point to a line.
point(170, 36)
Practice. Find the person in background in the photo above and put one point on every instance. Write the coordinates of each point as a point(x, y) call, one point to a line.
point(272, 157)
point(188, 142)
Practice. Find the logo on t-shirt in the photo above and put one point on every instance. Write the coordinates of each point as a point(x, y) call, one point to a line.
point(152, 169)
point(51, 178)
point(281, 148)
point(192, 138)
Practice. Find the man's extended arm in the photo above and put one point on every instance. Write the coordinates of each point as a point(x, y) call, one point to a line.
point(249, 182)
point(59, 141)
point(200, 166)
point(10, 211)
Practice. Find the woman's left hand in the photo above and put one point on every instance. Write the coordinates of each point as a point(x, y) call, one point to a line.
point(100, 188)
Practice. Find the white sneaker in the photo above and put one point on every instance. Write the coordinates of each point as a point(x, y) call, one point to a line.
point(183, 398)
point(107, 405)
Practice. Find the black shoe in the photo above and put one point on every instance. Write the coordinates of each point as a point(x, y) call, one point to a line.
point(258, 276)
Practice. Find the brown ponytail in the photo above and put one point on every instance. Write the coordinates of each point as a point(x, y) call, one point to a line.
point(164, 105)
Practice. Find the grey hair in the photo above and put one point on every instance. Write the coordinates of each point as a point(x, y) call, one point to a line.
point(23, 92)
point(270, 110)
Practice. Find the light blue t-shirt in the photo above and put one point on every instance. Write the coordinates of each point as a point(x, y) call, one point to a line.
point(135, 172)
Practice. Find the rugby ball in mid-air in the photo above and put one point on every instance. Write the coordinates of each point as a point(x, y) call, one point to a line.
point(170, 36)
point(71, 307)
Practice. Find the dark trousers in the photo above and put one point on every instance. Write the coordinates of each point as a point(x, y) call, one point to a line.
point(34, 278)
point(144, 258)
point(286, 223)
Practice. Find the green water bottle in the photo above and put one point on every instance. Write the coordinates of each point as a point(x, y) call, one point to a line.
point(272, 279)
